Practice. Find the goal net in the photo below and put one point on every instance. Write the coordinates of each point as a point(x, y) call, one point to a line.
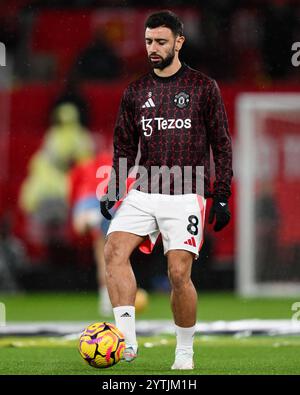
point(268, 200)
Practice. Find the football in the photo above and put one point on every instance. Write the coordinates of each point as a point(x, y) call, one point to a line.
point(101, 345)
point(141, 300)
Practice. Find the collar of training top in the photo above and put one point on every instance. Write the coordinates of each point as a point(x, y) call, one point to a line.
point(171, 77)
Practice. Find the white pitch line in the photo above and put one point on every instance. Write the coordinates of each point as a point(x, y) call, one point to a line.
point(158, 327)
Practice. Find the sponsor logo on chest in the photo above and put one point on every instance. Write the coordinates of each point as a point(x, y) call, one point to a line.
point(160, 123)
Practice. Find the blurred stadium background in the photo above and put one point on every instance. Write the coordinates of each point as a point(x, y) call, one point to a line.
point(85, 52)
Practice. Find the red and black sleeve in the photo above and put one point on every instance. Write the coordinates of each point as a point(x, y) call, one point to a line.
point(220, 140)
point(126, 140)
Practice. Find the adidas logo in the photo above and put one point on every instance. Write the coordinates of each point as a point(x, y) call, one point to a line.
point(126, 315)
point(149, 103)
point(222, 204)
point(191, 242)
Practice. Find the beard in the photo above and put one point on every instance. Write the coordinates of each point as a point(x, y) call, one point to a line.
point(163, 62)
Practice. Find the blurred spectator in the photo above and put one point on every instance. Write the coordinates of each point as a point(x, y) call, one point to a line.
point(85, 189)
point(71, 94)
point(86, 217)
point(98, 61)
point(13, 258)
point(43, 196)
point(67, 141)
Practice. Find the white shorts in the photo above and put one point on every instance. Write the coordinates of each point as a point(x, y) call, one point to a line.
point(178, 218)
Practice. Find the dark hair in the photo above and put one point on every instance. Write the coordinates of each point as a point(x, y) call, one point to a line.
point(167, 19)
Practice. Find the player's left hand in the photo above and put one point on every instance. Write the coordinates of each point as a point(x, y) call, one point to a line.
point(220, 211)
point(105, 205)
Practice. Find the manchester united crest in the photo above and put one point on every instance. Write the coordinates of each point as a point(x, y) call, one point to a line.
point(182, 100)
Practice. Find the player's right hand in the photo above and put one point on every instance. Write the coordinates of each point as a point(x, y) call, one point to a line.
point(105, 205)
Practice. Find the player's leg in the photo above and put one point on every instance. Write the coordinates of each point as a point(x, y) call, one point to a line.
point(183, 292)
point(184, 306)
point(122, 286)
point(120, 278)
point(181, 221)
point(131, 225)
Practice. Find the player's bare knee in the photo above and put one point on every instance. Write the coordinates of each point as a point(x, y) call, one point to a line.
point(179, 270)
point(178, 277)
point(113, 253)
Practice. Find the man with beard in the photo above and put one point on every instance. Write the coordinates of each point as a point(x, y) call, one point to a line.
point(175, 114)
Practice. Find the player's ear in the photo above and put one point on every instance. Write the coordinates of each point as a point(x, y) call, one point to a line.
point(179, 42)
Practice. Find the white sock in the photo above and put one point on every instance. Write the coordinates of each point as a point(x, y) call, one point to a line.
point(125, 322)
point(185, 338)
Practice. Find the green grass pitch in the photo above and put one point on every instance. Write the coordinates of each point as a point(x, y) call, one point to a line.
point(225, 355)
point(213, 356)
point(83, 307)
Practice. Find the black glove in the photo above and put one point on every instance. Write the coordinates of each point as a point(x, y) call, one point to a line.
point(105, 205)
point(220, 210)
